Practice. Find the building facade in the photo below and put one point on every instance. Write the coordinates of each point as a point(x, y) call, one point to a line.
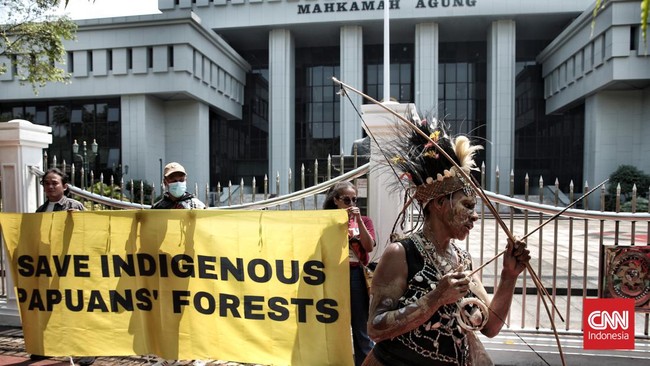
point(241, 88)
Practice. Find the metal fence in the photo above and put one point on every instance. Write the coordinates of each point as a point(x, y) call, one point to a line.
point(567, 252)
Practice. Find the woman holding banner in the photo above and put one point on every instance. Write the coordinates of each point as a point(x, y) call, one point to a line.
point(361, 240)
point(425, 306)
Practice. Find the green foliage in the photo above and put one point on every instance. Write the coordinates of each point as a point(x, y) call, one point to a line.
point(641, 205)
point(107, 190)
point(139, 185)
point(31, 38)
point(627, 176)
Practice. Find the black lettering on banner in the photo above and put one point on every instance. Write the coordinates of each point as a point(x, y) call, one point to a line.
point(25, 266)
point(121, 265)
point(211, 302)
point(302, 308)
point(328, 313)
point(80, 263)
point(294, 270)
point(179, 298)
point(21, 294)
point(146, 264)
point(143, 296)
point(278, 312)
point(118, 301)
point(228, 268)
point(42, 267)
point(103, 260)
point(250, 307)
point(96, 302)
point(53, 297)
point(79, 306)
point(182, 266)
point(162, 259)
point(206, 265)
point(228, 302)
point(36, 302)
point(267, 271)
point(315, 275)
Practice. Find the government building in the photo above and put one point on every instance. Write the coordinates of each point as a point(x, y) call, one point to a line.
point(236, 89)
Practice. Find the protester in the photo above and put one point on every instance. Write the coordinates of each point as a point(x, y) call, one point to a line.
point(176, 195)
point(361, 240)
point(424, 307)
point(55, 185)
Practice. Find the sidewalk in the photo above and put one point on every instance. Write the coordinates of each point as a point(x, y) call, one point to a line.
point(12, 353)
point(507, 349)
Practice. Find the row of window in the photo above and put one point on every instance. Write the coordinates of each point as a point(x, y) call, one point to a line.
point(81, 121)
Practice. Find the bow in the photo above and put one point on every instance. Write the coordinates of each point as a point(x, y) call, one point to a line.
point(468, 178)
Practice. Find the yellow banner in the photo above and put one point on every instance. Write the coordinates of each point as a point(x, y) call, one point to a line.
point(268, 287)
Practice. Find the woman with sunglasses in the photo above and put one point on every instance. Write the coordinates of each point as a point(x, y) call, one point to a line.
point(361, 239)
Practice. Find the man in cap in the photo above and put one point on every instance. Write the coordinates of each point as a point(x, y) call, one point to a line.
point(176, 195)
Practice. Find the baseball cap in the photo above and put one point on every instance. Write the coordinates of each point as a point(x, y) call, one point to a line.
point(173, 168)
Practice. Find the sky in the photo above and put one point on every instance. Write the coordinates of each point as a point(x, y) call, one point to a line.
point(89, 9)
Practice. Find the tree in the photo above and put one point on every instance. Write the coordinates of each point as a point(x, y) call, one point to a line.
point(627, 176)
point(31, 41)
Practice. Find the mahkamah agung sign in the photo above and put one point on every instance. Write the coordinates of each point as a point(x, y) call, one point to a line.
point(268, 287)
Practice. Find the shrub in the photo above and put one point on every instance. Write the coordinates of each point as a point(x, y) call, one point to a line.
point(627, 176)
point(147, 188)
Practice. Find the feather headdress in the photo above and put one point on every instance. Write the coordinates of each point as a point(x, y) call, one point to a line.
point(420, 163)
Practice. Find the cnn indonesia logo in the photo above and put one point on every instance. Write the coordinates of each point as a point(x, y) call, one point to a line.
point(608, 323)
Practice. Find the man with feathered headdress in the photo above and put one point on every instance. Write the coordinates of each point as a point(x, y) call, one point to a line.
point(424, 307)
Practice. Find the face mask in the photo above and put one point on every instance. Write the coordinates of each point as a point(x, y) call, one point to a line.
point(177, 189)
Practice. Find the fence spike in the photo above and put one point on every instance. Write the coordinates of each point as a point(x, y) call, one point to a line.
point(241, 191)
point(254, 188)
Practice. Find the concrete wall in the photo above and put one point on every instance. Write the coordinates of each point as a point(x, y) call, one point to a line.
point(235, 14)
point(187, 140)
point(616, 130)
point(166, 55)
point(584, 60)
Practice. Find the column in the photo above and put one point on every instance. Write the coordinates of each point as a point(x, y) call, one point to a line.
point(351, 74)
point(143, 137)
point(426, 66)
point(282, 86)
point(21, 147)
point(384, 200)
point(500, 102)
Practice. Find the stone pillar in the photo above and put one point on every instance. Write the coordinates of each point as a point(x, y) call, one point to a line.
point(21, 147)
point(282, 115)
point(426, 67)
point(500, 151)
point(384, 201)
point(351, 74)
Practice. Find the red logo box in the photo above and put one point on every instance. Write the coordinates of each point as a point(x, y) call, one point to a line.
point(608, 323)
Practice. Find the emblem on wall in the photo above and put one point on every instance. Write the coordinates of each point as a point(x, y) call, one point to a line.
point(626, 275)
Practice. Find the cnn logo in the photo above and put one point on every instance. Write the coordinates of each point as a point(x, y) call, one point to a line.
point(608, 323)
point(601, 319)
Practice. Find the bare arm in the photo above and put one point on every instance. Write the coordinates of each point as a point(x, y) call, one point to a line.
point(366, 238)
point(389, 283)
point(514, 262)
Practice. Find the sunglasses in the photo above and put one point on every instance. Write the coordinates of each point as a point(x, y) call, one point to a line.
point(348, 200)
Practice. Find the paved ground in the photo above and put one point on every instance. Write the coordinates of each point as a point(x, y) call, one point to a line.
point(508, 349)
